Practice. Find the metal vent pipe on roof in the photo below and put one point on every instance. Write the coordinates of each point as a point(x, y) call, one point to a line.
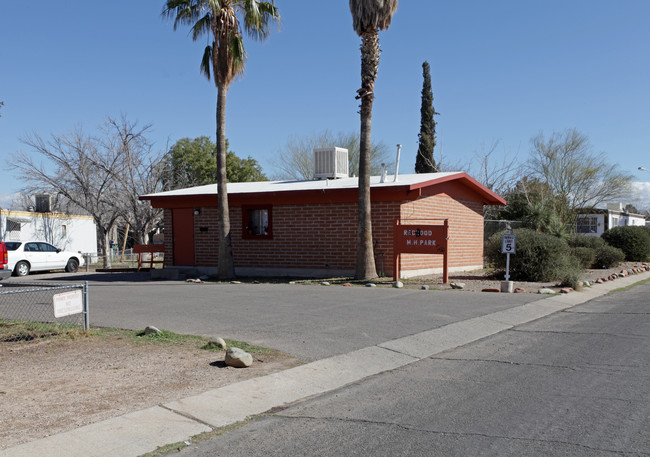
point(399, 148)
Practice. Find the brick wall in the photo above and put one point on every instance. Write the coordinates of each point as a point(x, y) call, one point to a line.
point(465, 231)
point(323, 236)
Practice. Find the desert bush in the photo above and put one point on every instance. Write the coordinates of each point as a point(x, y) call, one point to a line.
point(634, 241)
point(585, 256)
point(585, 241)
point(608, 257)
point(539, 257)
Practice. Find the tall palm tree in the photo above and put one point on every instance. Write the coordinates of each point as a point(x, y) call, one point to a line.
point(224, 59)
point(369, 16)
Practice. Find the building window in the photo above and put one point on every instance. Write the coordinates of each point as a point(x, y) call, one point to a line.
point(12, 230)
point(587, 224)
point(257, 222)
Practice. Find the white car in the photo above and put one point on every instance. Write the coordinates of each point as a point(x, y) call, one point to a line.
point(26, 256)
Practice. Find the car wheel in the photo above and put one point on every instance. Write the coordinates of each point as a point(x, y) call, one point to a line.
point(22, 269)
point(72, 266)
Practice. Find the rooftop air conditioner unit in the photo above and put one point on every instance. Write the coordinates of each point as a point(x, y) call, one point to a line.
point(330, 163)
point(43, 203)
point(615, 206)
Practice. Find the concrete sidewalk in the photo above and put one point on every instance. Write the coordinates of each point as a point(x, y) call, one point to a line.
point(143, 431)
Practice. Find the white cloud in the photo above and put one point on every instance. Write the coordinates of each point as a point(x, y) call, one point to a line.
point(640, 196)
point(6, 199)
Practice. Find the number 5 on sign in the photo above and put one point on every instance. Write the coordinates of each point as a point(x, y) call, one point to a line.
point(508, 244)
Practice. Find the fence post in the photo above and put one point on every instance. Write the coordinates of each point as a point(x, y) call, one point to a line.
point(85, 307)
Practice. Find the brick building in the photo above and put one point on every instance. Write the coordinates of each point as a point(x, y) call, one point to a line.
point(309, 228)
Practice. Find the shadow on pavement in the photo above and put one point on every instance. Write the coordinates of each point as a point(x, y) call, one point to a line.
point(91, 277)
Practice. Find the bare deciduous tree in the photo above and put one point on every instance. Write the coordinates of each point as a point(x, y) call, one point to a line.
point(575, 175)
point(497, 175)
point(102, 175)
point(75, 175)
point(139, 172)
point(296, 159)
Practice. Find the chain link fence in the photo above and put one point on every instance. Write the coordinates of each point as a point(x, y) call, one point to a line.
point(30, 311)
point(491, 227)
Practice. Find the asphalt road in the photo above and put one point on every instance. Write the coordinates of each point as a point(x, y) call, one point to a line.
point(309, 322)
point(576, 383)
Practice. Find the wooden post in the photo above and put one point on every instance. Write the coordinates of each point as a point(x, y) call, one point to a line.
point(445, 257)
point(395, 252)
point(126, 235)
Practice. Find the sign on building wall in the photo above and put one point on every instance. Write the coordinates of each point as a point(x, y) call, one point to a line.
point(421, 239)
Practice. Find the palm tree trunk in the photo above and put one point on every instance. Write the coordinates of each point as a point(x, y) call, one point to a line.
point(365, 266)
point(226, 264)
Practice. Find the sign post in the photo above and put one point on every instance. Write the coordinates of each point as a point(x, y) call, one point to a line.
point(508, 246)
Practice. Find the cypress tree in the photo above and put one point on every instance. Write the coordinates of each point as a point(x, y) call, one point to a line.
point(424, 163)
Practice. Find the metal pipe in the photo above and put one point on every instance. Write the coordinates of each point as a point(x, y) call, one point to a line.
point(399, 148)
point(383, 173)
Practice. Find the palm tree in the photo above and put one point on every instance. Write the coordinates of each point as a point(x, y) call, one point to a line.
point(369, 16)
point(224, 59)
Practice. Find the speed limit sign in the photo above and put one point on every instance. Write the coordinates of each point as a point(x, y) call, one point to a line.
point(508, 244)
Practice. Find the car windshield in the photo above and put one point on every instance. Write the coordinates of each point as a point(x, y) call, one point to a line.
point(12, 245)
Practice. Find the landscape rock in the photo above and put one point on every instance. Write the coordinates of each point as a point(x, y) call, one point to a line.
point(491, 289)
point(220, 342)
point(586, 283)
point(151, 329)
point(235, 282)
point(398, 284)
point(347, 284)
point(371, 285)
point(520, 290)
point(600, 281)
point(457, 285)
point(325, 283)
point(566, 290)
point(545, 291)
point(425, 287)
point(238, 358)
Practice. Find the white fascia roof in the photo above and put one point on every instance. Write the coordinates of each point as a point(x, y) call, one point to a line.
point(319, 184)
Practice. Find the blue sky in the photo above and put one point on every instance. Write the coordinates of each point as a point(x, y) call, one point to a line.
point(501, 70)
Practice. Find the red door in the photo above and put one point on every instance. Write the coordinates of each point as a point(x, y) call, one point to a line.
point(183, 229)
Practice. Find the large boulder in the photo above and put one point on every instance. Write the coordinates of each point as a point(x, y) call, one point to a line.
point(238, 358)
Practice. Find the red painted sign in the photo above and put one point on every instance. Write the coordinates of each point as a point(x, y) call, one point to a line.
point(421, 239)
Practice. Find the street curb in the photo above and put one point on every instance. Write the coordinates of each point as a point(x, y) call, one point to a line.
point(143, 431)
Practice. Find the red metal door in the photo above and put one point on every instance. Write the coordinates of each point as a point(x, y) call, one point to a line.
point(183, 229)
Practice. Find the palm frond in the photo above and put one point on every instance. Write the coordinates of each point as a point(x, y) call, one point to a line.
point(257, 17)
point(184, 12)
point(206, 62)
point(238, 53)
point(371, 15)
point(202, 26)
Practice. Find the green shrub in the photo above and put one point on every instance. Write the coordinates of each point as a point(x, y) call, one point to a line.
point(539, 257)
point(585, 241)
point(634, 241)
point(608, 257)
point(571, 274)
point(585, 256)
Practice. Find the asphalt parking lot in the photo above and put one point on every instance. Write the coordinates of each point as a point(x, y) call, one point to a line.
point(309, 322)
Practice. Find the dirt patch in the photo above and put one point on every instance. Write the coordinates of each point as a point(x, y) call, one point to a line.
point(54, 385)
